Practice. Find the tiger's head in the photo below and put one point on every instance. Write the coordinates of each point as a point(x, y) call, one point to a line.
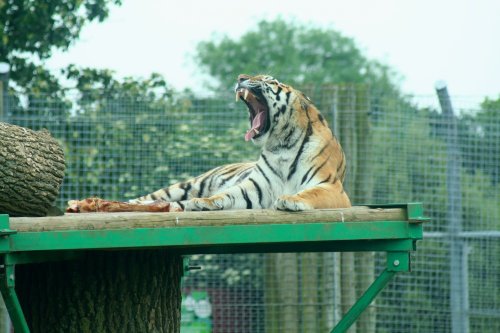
point(271, 105)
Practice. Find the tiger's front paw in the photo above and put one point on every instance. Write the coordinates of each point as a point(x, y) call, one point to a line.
point(291, 203)
point(203, 204)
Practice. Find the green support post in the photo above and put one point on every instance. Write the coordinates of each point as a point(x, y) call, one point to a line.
point(396, 262)
point(363, 302)
point(7, 287)
point(7, 280)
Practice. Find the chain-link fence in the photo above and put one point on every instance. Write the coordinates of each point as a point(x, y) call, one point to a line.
point(398, 150)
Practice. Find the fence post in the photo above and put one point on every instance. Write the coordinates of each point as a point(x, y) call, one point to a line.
point(336, 256)
point(346, 124)
point(458, 278)
point(4, 82)
point(361, 191)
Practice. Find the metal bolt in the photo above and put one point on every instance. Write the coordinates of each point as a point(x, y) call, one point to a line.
point(192, 267)
point(396, 263)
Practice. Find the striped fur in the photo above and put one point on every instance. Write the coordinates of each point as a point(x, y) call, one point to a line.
point(301, 166)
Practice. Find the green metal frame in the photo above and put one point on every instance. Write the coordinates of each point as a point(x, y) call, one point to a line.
point(397, 238)
point(396, 262)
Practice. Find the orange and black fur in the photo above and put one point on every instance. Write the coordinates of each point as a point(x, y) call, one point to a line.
point(301, 166)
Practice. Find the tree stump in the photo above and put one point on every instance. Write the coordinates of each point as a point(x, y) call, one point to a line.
point(105, 291)
point(31, 170)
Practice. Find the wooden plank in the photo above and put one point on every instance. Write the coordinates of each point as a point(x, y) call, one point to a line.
point(109, 221)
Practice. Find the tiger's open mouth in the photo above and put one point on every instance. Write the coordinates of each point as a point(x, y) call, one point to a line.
point(258, 112)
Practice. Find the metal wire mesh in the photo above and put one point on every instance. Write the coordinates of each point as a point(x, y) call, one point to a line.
point(397, 151)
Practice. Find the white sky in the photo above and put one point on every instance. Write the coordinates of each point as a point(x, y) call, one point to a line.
point(458, 41)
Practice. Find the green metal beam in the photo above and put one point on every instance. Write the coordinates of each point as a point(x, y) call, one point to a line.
point(398, 261)
point(203, 237)
point(5, 232)
point(19, 258)
point(364, 301)
point(327, 246)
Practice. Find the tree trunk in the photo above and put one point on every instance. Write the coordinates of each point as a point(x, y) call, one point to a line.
point(287, 276)
point(346, 105)
point(105, 291)
point(363, 193)
point(354, 129)
point(310, 278)
point(31, 171)
point(271, 294)
point(281, 293)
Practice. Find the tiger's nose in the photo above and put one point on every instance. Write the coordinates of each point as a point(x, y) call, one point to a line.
point(243, 77)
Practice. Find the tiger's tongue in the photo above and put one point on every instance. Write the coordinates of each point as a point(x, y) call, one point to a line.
point(257, 122)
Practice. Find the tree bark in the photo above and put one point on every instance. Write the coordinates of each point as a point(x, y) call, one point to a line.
point(105, 291)
point(31, 171)
point(310, 278)
point(346, 106)
point(288, 277)
point(282, 293)
point(363, 188)
point(271, 295)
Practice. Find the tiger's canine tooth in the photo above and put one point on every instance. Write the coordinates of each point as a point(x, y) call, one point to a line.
point(237, 96)
point(246, 94)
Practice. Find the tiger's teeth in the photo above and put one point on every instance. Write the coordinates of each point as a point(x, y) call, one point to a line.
point(246, 95)
point(237, 96)
point(256, 131)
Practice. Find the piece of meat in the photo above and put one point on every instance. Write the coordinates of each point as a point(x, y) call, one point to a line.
point(98, 205)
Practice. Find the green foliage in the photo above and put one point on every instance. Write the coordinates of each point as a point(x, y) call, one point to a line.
point(123, 130)
point(31, 30)
point(477, 134)
point(125, 138)
point(294, 53)
point(409, 157)
point(404, 172)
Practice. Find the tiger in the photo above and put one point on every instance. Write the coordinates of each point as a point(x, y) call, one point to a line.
point(301, 164)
